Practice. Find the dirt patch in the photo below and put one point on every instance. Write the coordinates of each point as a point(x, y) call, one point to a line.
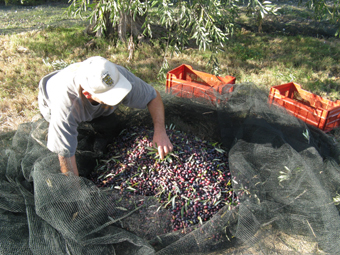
point(292, 19)
point(281, 25)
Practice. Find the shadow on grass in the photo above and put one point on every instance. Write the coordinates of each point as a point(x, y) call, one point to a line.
point(292, 19)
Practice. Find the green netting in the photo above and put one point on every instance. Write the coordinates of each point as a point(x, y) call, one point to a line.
point(285, 174)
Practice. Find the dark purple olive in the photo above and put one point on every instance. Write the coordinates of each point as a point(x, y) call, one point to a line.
point(195, 177)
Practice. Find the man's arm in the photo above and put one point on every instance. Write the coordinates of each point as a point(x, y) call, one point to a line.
point(68, 164)
point(160, 138)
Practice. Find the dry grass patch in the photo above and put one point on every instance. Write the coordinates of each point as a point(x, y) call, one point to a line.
point(16, 111)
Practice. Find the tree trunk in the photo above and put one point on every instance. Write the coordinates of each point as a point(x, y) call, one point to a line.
point(126, 27)
point(108, 24)
point(100, 33)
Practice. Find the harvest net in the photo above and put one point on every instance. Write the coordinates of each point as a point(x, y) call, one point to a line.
point(280, 182)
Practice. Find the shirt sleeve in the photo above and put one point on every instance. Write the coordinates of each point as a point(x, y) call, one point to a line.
point(141, 93)
point(62, 133)
point(62, 138)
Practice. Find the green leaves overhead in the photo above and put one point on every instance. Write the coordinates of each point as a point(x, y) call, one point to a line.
point(102, 10)
point(208, 23)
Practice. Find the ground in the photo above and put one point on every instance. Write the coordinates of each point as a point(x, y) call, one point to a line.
point(293, 19)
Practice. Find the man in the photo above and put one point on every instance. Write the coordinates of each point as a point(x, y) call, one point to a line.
point(90, 89)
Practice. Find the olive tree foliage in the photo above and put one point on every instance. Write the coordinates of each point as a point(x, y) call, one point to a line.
point(107, 17)
point(207, 23)
point(325, 10)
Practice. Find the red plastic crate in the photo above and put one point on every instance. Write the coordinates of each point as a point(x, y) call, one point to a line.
point(312, 109)
point(186, 82)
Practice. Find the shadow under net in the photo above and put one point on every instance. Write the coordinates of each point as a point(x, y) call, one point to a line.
point(285, 173)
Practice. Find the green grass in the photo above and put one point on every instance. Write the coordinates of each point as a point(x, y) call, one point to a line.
point(265, 59)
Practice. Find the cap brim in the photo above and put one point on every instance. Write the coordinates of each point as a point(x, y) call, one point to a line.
point(115, 95)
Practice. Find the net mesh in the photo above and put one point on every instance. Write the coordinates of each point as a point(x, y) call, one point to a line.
point(285, 174)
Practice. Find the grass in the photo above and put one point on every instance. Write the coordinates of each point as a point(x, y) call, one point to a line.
point(272, 60)
point(31, 48)
point(17, 19)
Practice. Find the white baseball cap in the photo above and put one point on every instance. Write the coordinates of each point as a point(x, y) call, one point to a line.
point(101, 78)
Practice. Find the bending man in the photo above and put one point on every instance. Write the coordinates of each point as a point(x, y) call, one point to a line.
point(90, 89)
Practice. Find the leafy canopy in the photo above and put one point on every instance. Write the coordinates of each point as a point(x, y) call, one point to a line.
point(207, 22)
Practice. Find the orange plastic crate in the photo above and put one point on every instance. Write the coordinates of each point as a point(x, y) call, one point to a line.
point(312, 109)
point(186, 82)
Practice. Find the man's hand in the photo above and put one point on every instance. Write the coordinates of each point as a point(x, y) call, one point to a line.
point(160, 138)
point(163, 144)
